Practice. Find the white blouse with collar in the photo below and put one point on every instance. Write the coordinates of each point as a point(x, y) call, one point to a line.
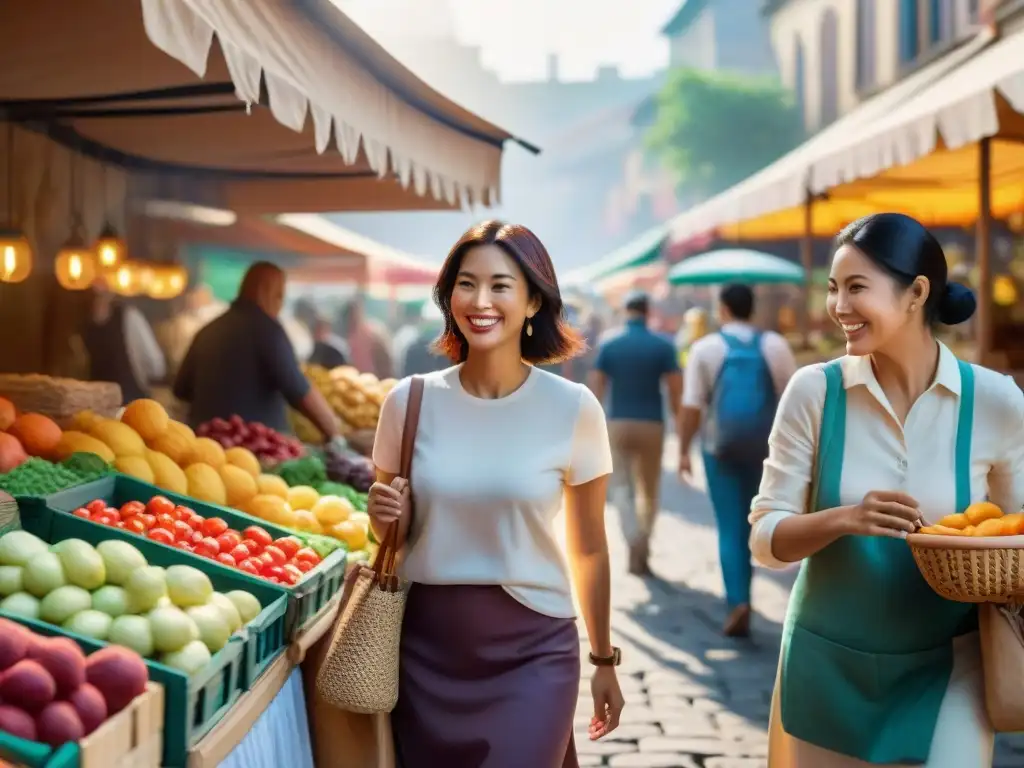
point(881, 455)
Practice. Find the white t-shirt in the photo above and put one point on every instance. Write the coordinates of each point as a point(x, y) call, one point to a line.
point(488, 477)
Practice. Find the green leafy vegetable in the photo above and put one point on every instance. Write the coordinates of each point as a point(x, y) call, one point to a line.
point(309, 470)
point(38, 477)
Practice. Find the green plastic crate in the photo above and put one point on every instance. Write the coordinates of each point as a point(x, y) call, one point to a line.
point(306, 598)
point(193, 705)
point(35, 755)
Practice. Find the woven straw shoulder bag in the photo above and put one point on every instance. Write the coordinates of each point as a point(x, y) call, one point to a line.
point(360, 671)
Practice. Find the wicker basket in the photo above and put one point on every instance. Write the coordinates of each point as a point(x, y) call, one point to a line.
point(969, 569)
point(60, 399)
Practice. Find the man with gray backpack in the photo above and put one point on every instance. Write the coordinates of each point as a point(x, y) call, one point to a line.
point(733, 381)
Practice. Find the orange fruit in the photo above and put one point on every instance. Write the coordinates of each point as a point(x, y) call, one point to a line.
point(980, 511)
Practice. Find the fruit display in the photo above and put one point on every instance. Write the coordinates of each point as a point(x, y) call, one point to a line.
point(356, 397)
point(253, 550)
point(111, 593)
point(23, 435)
point(53, 693)
point(39, 477)
point(265, 443)
point(983, 518)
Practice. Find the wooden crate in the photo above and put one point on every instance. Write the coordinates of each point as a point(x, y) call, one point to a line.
point(133, 738)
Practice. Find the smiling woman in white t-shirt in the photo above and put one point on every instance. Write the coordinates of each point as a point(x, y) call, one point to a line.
point(489, 666)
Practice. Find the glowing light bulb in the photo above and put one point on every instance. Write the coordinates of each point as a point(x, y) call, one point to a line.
point(75, 267)
point(10, 260)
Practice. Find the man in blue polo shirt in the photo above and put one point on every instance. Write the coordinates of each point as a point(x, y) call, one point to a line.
point(634, 362)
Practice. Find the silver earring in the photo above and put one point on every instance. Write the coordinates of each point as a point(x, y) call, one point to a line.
point(529, 328)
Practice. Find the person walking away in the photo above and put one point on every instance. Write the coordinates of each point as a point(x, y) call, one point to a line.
point(733, 381)
point(876, 668)
point(634, 363)
point(243, 363)
point(489, 667)
point(368, 346)
point(121, 346)
point(328, 349)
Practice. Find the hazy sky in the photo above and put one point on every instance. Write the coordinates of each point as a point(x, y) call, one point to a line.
point(517, 36)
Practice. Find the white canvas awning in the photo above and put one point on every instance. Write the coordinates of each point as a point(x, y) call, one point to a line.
point(252, 105)
point(784, 184)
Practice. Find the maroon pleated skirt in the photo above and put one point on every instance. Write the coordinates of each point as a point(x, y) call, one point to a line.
point(484, 682)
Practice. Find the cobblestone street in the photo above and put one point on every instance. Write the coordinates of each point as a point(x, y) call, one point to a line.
point(693, 698)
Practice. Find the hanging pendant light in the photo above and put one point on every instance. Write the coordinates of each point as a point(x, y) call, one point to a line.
point(75, 265)
point(15, 250)
point(110, 249)
point(131, 278)
point(169, 282)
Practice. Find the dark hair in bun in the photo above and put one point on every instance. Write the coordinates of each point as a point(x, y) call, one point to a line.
point(905, 249)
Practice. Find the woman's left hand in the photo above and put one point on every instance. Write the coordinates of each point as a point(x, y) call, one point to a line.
point(608, 702)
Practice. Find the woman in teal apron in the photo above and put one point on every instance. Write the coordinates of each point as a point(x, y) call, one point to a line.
point(875, 668)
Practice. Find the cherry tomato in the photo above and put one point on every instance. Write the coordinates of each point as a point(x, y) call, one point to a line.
point(240, 552)
point(207, 547)
point(226, 559)
point(182, 531)
point(160, 505)
point(259, 535)
point(197, 536)
point(253, 546)
point(183, 545)
point(304, 565)
point(195, 522)
point(162, 535)
point(148, 520)
point(289, 545)
point(274, 573)
point(229, 540)
point(165, 521)
point(97, 505)
point(266, 560)
point(135, 525)
point(293, 572)
point(182, 513)
point(119, 524)
point(276, 555)
point(308, 554)
point(82, 512)
point(250, 565)
point(104, 518)
point(132, 508)
point(214, 527)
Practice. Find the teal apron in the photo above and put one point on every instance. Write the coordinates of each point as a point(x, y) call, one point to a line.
point(867, 650)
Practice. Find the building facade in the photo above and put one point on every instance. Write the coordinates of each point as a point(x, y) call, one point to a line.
point(833, 54)
point(718, 35)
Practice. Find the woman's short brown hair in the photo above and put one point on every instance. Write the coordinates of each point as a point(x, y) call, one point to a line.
point(553, 339)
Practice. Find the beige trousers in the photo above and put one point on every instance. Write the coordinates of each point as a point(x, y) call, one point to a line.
point(637, 448)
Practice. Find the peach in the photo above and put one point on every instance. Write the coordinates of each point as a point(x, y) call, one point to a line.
point(90, 706)
point(58, 724)
point(28, 685)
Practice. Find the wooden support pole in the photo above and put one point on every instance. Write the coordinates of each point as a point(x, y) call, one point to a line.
point(983, 252)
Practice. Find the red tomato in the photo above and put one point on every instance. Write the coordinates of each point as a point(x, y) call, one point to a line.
point(308, 554)
point(181, 513)
point(274, 573)
point(253, 546)
point(197, 536)
point(183, 545)
point(113, 513)
point(182, 531)
point(165, 521)
point(119, 524)
point(240, 552)
point(226, 559)
point(289, 545)
point(195, 521)
point(208, 547)
point(250, 565)
point(214, 527)
point(228, 541)
point(162, 535)
point(83, 513)
point(266, 561)
point(304, 565)
point(97, 505)
point(135, 525)
point(104, 518)
point(258, 535)
point(132, 508)
point(293, 572)
point(160, 505)
point(276, 555)
point(148, 520)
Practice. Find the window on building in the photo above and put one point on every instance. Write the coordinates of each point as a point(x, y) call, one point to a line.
point(941, 16)
point(829, 67)
point(910, 41)
point(867, 26)
point(800, 81)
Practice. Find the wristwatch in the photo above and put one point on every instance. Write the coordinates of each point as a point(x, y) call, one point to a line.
point(608, 661)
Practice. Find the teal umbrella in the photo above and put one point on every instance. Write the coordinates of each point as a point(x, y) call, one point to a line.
point(642, 250)
point(734, 265)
